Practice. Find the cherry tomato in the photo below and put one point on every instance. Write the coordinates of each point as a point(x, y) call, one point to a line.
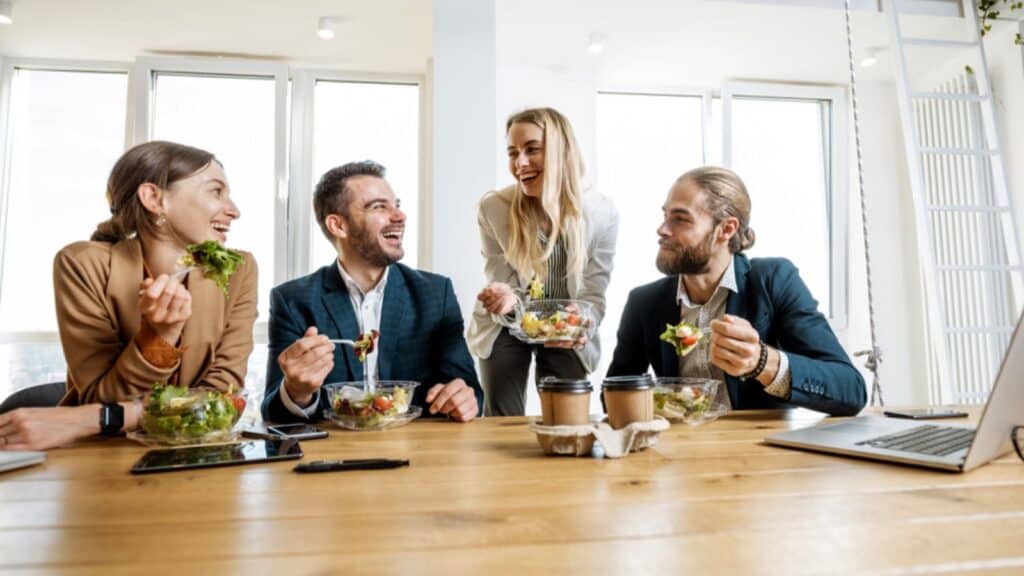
point(689, 340)
point(381, 404)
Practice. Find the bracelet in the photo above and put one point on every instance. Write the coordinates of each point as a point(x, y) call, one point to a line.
point(762, 361)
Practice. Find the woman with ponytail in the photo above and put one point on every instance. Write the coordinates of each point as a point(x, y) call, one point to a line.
point(544, 227)
point(127, 318)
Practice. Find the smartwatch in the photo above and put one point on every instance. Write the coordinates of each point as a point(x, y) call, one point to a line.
point(111, 419)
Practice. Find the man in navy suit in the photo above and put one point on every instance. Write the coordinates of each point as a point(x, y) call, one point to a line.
point(365, 289)
point(761, 330)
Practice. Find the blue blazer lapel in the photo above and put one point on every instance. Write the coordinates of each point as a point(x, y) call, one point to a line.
point(667, 312)
point(736, 305)
point(396, 300)
point(338, 304)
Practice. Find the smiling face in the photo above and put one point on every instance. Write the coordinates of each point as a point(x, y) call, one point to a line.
point(375, 224)
point(688, 237)
point(526, 156)
point(199, 208)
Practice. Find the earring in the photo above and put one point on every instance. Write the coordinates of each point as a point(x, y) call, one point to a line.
point(161, 220)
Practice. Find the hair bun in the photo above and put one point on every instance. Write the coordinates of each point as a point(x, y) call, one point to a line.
point(748, 238)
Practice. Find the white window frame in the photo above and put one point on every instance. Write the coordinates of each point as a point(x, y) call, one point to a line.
point(837, 186)
point(706, 95)
point(144, 97)
point(8, 66)
point(300, 194)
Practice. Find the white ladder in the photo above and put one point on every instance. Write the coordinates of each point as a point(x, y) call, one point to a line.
point(970, 254)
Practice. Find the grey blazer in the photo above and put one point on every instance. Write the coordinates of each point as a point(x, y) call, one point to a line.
point(600, 229)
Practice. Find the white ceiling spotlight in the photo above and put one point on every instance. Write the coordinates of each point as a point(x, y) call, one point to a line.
point(595, 44)
point(6, 12)
point(325, 29)
point(870, 57)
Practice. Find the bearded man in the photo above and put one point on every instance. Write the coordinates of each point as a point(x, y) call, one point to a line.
point(366, 290)
point(756, 324)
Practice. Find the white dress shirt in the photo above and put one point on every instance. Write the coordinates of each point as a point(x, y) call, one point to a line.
point(698, 364)
point(368, 307)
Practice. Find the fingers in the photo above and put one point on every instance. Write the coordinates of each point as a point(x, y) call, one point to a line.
point(466, 407)
point(740, 330)
point(455, 399)
point(442, 396)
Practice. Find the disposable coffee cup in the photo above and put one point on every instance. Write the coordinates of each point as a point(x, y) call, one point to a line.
point(628, 399)
point(564, 401)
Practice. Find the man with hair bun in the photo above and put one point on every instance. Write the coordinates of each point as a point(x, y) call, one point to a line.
point(759, 327)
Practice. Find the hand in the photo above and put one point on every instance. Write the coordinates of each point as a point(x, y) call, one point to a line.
point(498, 298)
point(305, 364)
point(456, 399)
point(42, 428)
point(735, 345)
point(165, 305)
point(576, 344)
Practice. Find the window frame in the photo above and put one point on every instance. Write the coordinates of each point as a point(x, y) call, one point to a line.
point(8, 68)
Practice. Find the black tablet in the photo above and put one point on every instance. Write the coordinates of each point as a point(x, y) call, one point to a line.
point(168, 459)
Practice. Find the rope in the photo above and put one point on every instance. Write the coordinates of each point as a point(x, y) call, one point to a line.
point(874, 355)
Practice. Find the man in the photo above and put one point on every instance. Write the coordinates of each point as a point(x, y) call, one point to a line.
point(763, 335)
point(365, 289)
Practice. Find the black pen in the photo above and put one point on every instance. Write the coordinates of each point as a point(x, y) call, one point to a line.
point(358, 464)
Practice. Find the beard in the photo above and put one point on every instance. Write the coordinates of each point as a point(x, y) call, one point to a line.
point(680, 259)
point(367, 246)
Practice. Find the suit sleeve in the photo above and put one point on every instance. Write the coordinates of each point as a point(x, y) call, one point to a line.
point(453, 358)
point(284, 328)
point(629, 358)
point(822, 376)
point(597, 272)
point(101, 366)
point(231, 362)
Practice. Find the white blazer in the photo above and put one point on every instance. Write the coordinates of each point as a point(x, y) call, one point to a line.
point(601, 230)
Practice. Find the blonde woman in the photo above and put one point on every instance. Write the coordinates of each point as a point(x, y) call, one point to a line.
point(545, 226)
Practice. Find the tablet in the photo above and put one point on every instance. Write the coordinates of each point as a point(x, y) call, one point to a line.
point(168, 459)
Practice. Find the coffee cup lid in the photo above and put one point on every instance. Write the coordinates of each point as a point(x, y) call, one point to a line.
point(569, 385)
point(639, 382)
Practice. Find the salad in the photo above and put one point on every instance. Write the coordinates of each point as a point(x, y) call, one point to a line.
point(215, 261)
point(684, 337)
point(374, 409)
point(177, 414)
point(365, 344)
point(565, 324)
point(686, 403)
point(536, 289)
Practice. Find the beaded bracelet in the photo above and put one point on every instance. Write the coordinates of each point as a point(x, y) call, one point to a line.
point(762, 361)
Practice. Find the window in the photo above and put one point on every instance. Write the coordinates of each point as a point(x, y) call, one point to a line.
point(66, 128)
point(232, 117)
point(368, 121)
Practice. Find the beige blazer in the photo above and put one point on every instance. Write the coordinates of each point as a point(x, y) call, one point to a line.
point(601, 230)
point(96, 287)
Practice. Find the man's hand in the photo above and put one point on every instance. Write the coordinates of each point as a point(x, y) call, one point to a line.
point(456, 399)
point(735, 345)
point(305, 364)
point(165, 305)
point(498, 298)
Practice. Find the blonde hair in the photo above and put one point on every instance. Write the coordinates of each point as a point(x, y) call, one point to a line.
point(561, 200)
point(726, 196)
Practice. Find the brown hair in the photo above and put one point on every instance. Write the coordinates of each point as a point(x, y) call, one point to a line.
point(159, 163)
point(332, 194)
point(561, 199)
point(726, 196)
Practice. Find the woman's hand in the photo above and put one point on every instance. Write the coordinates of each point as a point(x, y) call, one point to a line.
point(42, 428)
point(165, 305)
point(498, 298)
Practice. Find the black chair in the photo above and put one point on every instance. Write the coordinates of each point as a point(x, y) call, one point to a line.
point(39, 396)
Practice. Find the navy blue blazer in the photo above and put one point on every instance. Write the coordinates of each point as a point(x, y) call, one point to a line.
point(421, 332)
point(776, 302)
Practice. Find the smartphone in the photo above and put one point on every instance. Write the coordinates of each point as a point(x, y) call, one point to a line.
point(926, 413)
point(298, 431)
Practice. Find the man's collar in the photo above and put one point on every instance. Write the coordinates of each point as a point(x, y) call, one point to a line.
point(353, 286)
point(728, 282)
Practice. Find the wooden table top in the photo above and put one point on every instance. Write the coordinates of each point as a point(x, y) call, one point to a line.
point(483, 497)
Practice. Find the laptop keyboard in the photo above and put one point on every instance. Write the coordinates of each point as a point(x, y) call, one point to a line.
point(926, 439)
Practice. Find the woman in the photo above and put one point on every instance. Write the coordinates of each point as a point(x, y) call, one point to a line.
point(127, 318)
point(545, 226)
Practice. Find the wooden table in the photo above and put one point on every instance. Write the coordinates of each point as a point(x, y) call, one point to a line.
point(481, 497)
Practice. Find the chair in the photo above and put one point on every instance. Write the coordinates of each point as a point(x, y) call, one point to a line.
point(39, 396)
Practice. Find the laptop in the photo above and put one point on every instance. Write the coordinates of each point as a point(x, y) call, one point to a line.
point(942, 446)
point(12, 460)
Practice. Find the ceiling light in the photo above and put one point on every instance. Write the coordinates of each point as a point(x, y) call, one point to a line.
point(6, 12)
point(595, 44)
point(326, 28)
